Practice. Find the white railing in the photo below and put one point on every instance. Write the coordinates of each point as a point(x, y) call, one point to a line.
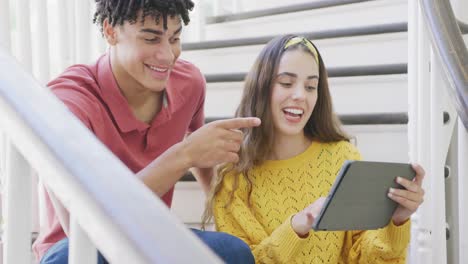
point(431, 81)
point(63, 34)
point(97, 189)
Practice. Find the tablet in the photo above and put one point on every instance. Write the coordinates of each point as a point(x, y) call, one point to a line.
point(358, 199)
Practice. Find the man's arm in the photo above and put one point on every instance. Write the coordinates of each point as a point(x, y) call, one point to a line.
point(204, 177)
point(214, 143)
point(164, 172)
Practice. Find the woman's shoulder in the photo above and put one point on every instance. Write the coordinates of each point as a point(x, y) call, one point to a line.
point(342, 148)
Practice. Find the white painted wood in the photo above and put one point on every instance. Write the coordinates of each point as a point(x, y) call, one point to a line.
point(351, 95)
point(81, 248)
point(425, 245)
point(111, 220)
point(5, 33)
point(437, 163)
point(98, 43)
point(195, 30)
point(462, 192)
point(17, 215)
point(23, 41)
point(63, 40)
point(41, 36)
point(248, 5)
point(366, 13)
point(413, 115)
point(337, 52)
point(460, 7)
point(82, 34)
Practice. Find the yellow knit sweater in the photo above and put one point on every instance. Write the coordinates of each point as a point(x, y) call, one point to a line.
point(282, 188)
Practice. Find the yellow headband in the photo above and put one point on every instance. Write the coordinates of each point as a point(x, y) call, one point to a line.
point(301, 40)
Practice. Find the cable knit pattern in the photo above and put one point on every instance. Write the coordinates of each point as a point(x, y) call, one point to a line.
point(284, 187)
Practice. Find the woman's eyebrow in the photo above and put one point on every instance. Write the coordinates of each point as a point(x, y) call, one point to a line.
point(287, 74)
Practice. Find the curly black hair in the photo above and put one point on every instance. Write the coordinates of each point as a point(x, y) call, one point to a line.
point(119, 11)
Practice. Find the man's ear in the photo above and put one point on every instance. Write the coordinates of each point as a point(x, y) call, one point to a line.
point(109, 32)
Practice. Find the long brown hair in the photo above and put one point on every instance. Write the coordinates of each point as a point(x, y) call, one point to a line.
point(323, 125)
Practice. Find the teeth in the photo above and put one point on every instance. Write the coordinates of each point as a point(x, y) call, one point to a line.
point(294, 111)
point(158, 69)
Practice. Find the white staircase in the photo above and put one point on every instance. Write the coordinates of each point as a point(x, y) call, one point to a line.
point(352, 35)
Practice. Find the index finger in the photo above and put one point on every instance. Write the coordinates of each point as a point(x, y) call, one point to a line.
point(239, 122)
point(419, 173)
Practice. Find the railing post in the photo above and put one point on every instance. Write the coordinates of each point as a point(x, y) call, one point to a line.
point(460, 8)
point(42, 40)
point(83, 31)
point(195, 31)
point(17, 237)
point(81, 248)
point(423, 236)
point(5, 29)
point(65, 43)
point(413, 112)
point(437, 162)
point(462, 192)
point(22, 18)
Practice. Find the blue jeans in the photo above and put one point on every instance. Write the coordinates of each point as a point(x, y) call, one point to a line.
point(229, 248)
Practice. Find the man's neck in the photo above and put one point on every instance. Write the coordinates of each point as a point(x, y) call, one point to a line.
point(145, 104)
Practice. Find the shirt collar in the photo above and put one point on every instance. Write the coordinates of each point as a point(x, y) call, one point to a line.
point(114, 99)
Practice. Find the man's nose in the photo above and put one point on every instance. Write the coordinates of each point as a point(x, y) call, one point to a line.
point(164, 53)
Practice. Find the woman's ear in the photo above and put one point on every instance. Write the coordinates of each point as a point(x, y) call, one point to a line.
point(109, 32)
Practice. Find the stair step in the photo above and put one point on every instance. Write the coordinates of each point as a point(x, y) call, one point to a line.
point(351, 95)
point(311, 5)
point(344, 16)
point(374, 49)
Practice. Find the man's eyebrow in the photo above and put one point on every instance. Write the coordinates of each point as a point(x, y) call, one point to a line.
point(159, 32)
point(177, 31)
point(153, 31)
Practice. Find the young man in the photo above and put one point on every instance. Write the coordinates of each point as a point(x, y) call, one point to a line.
point(140, 100)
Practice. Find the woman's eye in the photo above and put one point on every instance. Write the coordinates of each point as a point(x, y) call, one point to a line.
point(310, 88)
point(285, 84)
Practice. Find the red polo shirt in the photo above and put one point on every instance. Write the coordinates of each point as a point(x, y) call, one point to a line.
point(92, 94)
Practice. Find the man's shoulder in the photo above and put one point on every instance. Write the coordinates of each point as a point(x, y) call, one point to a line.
point(77, 85)
point(77, 75)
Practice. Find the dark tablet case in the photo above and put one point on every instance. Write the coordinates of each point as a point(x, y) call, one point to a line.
point(358, 198)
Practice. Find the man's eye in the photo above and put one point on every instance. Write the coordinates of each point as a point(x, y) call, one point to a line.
point(152, 40)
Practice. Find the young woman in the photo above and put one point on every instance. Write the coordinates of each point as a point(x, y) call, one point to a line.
point(271, 196)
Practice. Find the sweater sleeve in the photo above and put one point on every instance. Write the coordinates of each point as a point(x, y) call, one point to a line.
point(385, 245)
point(237, 219)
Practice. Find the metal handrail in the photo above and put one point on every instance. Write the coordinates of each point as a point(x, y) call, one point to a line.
point(109, 202)
point(448, 43)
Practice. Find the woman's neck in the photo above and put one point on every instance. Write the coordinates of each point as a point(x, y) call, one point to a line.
point(285, 147)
